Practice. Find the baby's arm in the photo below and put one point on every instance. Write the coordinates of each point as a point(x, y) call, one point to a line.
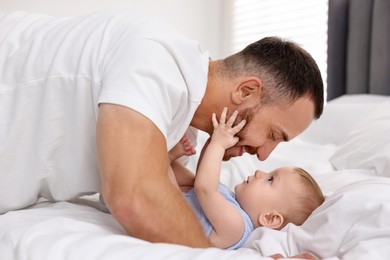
point(228, 225)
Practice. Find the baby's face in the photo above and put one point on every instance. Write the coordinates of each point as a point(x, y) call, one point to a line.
point(264, 192)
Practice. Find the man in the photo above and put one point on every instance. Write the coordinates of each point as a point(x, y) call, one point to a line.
point(93, 104)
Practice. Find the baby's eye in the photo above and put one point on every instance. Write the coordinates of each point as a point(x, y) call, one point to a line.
point(270, 179)
point(273, 138)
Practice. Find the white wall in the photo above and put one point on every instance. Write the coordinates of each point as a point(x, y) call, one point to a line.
point(197, 19)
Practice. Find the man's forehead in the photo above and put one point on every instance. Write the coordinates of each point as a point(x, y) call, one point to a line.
point(295, 118)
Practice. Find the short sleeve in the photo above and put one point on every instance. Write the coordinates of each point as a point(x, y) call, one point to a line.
point(154, 70)
point(143, 76)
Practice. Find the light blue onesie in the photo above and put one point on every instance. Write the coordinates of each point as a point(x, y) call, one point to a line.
point(207, 227)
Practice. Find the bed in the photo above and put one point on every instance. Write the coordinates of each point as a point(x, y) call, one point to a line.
point(347, 151)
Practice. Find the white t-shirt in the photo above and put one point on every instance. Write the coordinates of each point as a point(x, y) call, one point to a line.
point(53, 74)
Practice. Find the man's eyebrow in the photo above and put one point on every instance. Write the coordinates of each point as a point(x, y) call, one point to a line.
point(284, 135)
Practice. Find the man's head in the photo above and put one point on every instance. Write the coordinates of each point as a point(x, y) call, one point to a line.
point(285, 195)
point(277, 87)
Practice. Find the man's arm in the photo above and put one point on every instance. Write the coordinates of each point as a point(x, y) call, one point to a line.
point(134, 165)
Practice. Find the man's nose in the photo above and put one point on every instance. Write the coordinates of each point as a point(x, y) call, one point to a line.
point(265, 150)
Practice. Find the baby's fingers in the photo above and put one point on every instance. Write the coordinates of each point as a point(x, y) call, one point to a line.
point(215, 121)
point(237, 128)
point(232, 118)
point(222, 120)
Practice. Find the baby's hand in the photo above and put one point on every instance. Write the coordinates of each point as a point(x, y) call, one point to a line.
point(224, 132)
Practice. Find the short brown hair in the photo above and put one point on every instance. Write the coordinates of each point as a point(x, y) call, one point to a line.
point(286, 69)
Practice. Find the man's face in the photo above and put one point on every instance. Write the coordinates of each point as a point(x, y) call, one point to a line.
point(271, 124)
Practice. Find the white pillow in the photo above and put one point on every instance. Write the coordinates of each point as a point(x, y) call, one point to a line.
point(368, 145)
point(360, 98)
point(352, 223)
point(341, 116)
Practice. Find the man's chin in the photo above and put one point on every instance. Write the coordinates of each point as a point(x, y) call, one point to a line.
point(227, 157)
point(233, 152)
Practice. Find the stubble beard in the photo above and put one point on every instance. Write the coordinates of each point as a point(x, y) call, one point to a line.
point(248, 115)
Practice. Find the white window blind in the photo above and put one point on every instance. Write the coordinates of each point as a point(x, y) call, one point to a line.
point(304, 22)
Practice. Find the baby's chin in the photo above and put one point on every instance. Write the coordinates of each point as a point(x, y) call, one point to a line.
point(237, 188)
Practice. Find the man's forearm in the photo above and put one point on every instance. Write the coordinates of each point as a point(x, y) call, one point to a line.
point(161, 214)
point(134, 165)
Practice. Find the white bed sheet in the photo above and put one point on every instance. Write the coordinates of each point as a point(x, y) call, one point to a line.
point(353, 222)
point(66, 230)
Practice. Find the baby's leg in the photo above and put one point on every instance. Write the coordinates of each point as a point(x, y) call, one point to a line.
point(184, 178)
point(180, 175)
point(184, 147)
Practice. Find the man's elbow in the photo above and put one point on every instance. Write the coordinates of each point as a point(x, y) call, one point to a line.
point(128, 211)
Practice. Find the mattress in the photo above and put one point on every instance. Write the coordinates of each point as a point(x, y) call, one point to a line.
point(347, 151)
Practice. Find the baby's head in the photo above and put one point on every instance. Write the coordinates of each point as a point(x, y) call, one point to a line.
point(285, 195)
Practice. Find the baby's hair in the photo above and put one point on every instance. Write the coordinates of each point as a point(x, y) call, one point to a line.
point(316, 187)
point(310, 197)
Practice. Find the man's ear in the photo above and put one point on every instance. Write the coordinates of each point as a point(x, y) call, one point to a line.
point(247, 90)
point(271, 219)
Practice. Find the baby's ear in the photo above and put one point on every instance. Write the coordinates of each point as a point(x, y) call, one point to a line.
point(271, 219)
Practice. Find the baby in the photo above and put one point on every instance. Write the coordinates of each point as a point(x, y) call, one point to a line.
point(285, 195)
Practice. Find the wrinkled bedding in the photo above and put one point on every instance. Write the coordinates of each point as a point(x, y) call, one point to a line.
point(353, 222)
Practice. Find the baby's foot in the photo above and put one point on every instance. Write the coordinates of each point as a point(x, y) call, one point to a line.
point(184, 147)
